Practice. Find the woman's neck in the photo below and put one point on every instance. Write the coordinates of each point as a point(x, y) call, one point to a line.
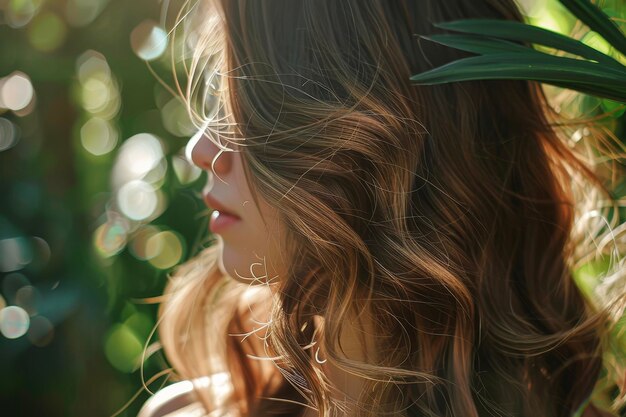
point(356, 343)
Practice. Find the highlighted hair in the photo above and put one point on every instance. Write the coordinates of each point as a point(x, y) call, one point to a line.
point(451, 216)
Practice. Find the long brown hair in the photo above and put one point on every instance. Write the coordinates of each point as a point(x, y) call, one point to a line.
point(444, 213)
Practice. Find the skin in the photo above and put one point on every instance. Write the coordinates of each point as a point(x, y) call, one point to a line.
point(251, 251)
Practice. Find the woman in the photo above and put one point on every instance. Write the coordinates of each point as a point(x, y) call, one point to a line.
point(382, 248)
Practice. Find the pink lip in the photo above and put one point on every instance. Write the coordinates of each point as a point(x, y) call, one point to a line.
point(221, 221)
point(211, 202)
point(222, 217)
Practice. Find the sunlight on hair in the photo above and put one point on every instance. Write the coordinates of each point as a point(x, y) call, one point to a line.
point(256, 279)
point(371, 200)
point(576, 136)
point(222, 386)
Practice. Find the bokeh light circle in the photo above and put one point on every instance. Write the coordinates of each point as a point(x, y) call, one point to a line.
point(92, 64)
point(98, 136)
point(14, 322)
point(185, 172)
point(156, 175)
point(8, 134)
point(96, 93)
point(16, 91)
point(110, 238)
point(12, 283)
point(15, 254)
point(176, 119)
point(80, 13)
point(142, 152)
point(137, 200)
point(41, 331)
point(47, 32)
point(41, 251)
point(123, 348)
point(28, 297)
point(137, 156)
point(140, 324)
point(19, 13)
point(165, 249)
point(139, 244)
point(148, 40)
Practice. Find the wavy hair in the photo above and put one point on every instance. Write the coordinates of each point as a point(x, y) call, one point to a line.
point(447, 217)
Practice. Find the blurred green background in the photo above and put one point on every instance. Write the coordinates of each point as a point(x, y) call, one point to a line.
point(98, 201)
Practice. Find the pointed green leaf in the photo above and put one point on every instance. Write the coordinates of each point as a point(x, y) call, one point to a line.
point(584, 76)
point(519, 31)
point(477, 44)
point(598, 21)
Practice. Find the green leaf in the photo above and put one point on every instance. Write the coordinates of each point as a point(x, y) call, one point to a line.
point(598, 21)
point(585, 76)
point(519, 31)
point(477, 44)
point(613, 106)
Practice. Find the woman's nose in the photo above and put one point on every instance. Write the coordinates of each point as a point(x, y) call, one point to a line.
point(207, 155)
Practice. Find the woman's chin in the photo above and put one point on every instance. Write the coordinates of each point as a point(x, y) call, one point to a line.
point(225, 262)
point(232, 264)
point(242, 267)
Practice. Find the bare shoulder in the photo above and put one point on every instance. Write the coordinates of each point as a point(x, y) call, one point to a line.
point(173, 400)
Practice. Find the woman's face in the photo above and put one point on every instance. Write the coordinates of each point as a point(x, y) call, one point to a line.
point(250, 239)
